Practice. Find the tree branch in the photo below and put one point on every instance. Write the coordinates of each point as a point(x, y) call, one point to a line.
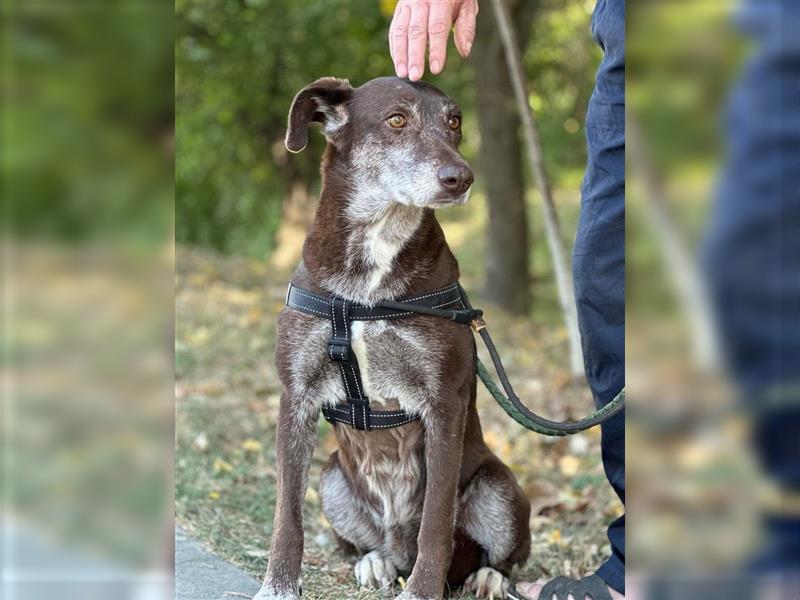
point(561, 265)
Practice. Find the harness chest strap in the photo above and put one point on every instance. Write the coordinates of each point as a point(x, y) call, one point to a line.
point(356, 411)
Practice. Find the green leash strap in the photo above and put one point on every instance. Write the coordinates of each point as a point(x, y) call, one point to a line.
point(514, 406)
point(537, 423)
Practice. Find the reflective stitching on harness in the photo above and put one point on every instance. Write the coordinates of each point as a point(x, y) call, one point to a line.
point(344, 318)
point(358, 387)
point(344, 377)
point(376, 415)
point(403, 314)
point(387, 316)
point(448, 302)
point(439, 293)
point(375, 426)
point(393, 424)
point(320, 300)
point(356, 378)
point(316, 312)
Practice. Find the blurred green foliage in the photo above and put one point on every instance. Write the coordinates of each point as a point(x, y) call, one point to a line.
point(682, 59)
point(239, 64)
point(88, 120)
point(679, 70)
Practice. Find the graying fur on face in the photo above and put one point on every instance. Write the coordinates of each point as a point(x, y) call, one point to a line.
point(406, 173)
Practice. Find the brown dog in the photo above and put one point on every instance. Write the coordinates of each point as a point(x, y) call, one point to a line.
point(427, 498)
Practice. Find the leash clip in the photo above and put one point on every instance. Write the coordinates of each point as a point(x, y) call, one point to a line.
point(477, 324)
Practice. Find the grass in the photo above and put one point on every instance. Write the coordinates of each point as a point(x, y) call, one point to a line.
point(227, 399)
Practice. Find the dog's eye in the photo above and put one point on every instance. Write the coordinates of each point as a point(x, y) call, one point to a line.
point(396, 121)
point(454, 122)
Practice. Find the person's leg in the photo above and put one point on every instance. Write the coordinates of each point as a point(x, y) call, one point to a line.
point(599, 258)
point(752, 255)
point(599, 276)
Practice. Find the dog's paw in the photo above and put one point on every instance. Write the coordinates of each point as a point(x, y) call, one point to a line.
point(268, 592)
point(375, 571)
point(409, 596)
point(487, 583)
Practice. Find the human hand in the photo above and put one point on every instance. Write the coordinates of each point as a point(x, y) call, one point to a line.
point(416, 22)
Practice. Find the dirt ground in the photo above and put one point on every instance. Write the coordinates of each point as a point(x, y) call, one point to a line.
point(227, 400)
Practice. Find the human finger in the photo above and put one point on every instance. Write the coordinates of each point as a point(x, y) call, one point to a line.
point(398, 38)
point(440, 19)
point(417, 39)
point(465, 27)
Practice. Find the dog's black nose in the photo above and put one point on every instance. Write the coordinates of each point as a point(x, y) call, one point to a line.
point(455, 178)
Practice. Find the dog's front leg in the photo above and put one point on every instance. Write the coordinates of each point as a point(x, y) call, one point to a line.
point(297, 434)
point(444, 441)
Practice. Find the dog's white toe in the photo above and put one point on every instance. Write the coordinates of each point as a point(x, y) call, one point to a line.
point(269, 593)
point(487, 583)
point(375, 571)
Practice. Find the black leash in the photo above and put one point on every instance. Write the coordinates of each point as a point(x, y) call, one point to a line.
point(356, 412)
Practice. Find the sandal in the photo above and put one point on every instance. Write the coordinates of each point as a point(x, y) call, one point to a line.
point(592, 586)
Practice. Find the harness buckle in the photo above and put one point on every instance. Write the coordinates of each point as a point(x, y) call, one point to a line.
point(339, 349)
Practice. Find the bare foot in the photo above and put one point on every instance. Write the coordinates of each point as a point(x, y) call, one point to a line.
point(532, 590)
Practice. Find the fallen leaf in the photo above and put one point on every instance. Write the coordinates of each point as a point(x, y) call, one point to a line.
point(199, 336)
point(221, 466)
point(543, 495)
point(578, 444)
point(568, 465)
point(201, 441)
point(251, 445)
point(554, 537)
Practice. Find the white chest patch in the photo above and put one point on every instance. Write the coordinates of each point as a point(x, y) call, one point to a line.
point(381, 250)
point(395, 364)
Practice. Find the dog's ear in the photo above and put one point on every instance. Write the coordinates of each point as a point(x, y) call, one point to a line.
point(322, 101)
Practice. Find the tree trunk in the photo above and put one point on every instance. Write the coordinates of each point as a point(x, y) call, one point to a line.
point(298, 213)
point(500, 164)
point(533, 144)
point(685, 275)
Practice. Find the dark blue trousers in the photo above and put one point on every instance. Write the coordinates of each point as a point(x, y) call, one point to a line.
point(752, 252)
point(598, 259)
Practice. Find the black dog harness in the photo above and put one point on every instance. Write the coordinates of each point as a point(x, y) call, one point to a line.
point(449, 303)
point(356, 411)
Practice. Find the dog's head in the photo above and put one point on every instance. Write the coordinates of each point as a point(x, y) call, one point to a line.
point(398, 139)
